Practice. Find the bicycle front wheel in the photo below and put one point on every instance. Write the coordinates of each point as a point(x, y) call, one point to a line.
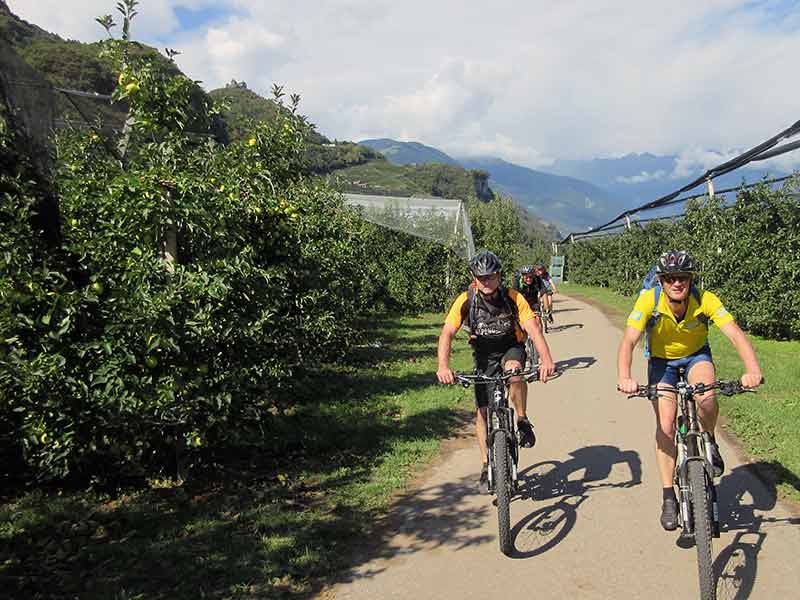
point(502, 486)
point(701, 508)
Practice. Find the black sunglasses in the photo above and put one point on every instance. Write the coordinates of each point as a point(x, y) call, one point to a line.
point(674, 278)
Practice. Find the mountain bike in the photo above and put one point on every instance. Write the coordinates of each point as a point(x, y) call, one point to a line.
point(694, 473)
point(503, 444)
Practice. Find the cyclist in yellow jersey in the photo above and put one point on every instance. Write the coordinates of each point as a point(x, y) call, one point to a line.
point(679, 339)
point(497, 317)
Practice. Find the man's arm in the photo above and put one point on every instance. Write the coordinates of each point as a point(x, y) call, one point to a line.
point(752, 372)
point(546, 365)
point(630, 338)
point(443, 372)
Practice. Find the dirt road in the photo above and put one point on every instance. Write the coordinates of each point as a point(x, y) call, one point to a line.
point(585, 524)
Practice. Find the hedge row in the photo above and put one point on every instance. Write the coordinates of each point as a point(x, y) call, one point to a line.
point(748, 252)
point(193, 285)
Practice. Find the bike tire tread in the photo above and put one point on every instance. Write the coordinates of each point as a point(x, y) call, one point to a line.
point(502, 486)
point(703, 528)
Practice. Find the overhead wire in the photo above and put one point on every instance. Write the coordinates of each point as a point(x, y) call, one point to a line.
point(762, 151)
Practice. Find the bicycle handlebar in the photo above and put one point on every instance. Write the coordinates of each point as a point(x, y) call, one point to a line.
point(726, 388)
point(505, 376)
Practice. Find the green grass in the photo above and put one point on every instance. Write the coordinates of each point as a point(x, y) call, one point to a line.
point(767, 424)
point(259, 526)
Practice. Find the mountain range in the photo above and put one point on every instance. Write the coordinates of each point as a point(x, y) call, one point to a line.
point(575, 195)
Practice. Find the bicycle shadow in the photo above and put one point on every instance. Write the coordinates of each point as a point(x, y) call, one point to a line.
point(743, 497)
point(576, 362)
point(546, 527)
point(556, 328)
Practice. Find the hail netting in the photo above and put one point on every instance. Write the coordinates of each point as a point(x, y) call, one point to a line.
point(441, 220)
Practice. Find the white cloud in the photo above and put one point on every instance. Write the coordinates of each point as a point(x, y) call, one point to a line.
point(693, 160)
point(643, 177)
point(530, 81)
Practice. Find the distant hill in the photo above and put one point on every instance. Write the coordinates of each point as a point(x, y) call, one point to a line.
point(75, 65)
point(571, 204)
point(438, 180)
point(408, 153)
point(568, 203)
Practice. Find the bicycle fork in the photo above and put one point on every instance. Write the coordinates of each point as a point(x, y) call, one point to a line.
point(684, 456)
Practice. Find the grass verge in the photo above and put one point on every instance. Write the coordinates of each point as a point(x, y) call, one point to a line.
point(259, 526)
point(767, 424)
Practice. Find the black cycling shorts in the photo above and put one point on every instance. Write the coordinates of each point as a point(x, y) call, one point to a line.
point(492, 364)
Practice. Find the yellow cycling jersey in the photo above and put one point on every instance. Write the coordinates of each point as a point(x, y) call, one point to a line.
point(670, 339)
point(458, 312)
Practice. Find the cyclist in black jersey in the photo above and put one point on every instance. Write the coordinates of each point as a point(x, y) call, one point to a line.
point(529, 285)
point(499, 320)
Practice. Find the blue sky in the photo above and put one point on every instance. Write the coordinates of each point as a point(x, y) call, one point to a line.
point(201, 17)
point(529, 81)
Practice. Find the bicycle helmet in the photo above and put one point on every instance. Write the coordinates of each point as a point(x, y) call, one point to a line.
point(675, 261)
point(526, 270)
point(484, 264)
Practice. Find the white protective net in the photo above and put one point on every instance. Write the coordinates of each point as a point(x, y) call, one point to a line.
point(441, 220)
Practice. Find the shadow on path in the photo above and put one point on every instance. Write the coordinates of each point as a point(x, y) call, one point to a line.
point(555, 328)
point(426, 519)
point(576, 362)
point(743, 499)
point(545, 527)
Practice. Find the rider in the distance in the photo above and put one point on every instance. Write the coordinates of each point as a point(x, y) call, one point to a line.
point(548, 288)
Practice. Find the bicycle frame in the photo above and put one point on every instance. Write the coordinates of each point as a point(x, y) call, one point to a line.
point(692, 446)
point(500, 415)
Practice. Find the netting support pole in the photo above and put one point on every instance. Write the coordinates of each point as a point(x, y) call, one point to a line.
point(710, 188)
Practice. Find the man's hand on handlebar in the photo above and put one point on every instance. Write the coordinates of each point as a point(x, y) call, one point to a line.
point(751, 380)
point(546, 369)
point(627, 385)
point(445, 375)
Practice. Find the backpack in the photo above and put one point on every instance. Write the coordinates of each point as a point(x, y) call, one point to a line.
point(472, 309)
point(651, 282)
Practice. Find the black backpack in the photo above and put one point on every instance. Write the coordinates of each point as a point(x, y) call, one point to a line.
point(472, 308)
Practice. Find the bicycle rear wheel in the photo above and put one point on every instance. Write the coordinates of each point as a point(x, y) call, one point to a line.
point(701, 509)
point(502, 487)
